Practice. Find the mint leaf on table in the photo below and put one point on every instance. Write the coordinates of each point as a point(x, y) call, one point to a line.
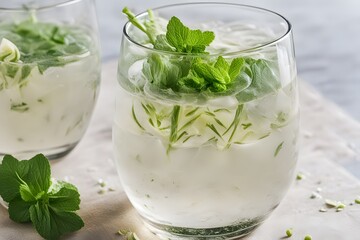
point(10, 171)
point(38, 177)
point(19, 210)
point(64, 196)
point(51, 223)
point(33, 197)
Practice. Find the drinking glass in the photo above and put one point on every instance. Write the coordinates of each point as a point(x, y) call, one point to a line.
point(49, 75)
point(200, 165)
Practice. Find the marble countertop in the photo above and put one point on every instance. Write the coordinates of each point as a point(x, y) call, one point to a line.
point(327, 40)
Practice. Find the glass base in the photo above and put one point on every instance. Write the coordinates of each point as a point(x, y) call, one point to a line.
point(51, 154)
point(236, 231)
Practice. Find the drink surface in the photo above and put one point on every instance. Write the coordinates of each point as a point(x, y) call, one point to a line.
point(48, 96)
point(205, 160)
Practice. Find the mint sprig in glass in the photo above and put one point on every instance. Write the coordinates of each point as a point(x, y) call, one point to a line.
point(49, 75)
point(206, 124)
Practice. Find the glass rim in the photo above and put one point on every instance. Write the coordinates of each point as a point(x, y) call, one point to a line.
point(247, 50)
point(46, 6)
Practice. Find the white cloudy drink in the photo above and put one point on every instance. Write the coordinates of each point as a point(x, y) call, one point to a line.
point(194, 183)
point(52, 110)
point(48, 89)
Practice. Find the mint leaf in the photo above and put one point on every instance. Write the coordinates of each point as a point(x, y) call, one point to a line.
point(263, 80)
point(38, 177)
point(10, 171)
point(26, 194)
point(161, 43)
point(25, 185)
point(178, 37)
point(11, 70)
point(215, 77)
point(185, 40)
point(212, 73)
point(55, 62)
point(58, 36)
point(161, 72)
point(169, 75)
point(64, 197)
point(235, 67)
point(25, 72)
point(21, 107)
point(74, 48)
point(51, 223)
point(192, 83)
point(221, 63)
point(44, 44)
point(19, 210)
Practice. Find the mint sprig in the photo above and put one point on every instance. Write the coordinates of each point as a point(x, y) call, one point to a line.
point(194, 71)
point(33, 197)
point(181, 69)
point(40, 44)
point(216, 77)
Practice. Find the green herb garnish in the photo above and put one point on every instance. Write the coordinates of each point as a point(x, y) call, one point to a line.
point(300, 176)
point(194, 71)
point(135, 118)
point(174, 126)
point(341, 205)
point(21, 107)
point(289, 232)
point(32, 197)
point(185, 40)
point(235, 122)
point(38, 44)
point(307, 237)
point(278, 149)
point(180, 68)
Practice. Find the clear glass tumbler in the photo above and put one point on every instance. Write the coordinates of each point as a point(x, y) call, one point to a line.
point(204, 164)
point(49, 75)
